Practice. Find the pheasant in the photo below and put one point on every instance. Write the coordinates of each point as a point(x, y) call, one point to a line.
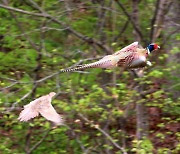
point(41, 106)
point(129, 57)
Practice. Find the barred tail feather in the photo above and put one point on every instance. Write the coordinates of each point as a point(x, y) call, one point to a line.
point(98, 64)
point(92, 65)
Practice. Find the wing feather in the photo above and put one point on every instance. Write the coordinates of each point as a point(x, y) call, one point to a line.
point(31, 110)
point(130, 48)
point(43, 106)
point(50, 114)
point(28, 113)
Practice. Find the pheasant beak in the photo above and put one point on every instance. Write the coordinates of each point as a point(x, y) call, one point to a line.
point(158, 47)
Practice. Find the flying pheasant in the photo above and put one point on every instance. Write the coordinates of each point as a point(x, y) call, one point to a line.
point(129, 57)
point(41, 106)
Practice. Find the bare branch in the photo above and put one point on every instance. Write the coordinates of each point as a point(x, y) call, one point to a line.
point(154, 20)
point(21, 99)
point(68, 28)
point(39, 142)
point(77, 139)
point(44, 29)
point(22, 11)
point(150, 91)
point(11, 85)
point(166, 39)
point(104, 133)
point(56, 73)
point(101, 21)
point(131, 20)
point(135, 18)
point(158, 19)
point(9, 79)
point(21, 27)
point(121, 31)
point(51, 75)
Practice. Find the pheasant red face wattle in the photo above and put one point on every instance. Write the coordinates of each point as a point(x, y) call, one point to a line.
point(129, 57)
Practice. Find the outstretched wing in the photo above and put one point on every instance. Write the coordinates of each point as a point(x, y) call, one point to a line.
point(40, 105)
point(48, 112)
point(126, 60)
point(30, 111)
point(130, 48)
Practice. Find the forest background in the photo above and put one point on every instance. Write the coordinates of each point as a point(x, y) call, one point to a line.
point(106, 111)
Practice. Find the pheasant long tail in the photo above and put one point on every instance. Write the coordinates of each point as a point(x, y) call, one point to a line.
point(98, 64)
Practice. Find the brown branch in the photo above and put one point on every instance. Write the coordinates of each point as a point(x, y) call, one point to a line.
point(82, 37)
point(51, 75)
point(170, 35)
point(20, 26)
point(135, 18)
point(77, 139)
point(154, 20)
point(38, 49)
point(162, 6)
point(56, 73)
point(132, 21)
point(150, 91)
point(104, 133)
point(101, 21)
point(32, 44)
point(68, 28)
point(21, 99)
point(121, 31)
point(36, 70)
point(39, 142)
point(28, 139)
point(22, 11)
point(142, 129)
point(7, 87)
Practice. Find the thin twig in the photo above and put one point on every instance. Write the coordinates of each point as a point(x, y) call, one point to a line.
point(154, 20)
point(11, 85)
point(77, 139)
point(131, 20)
point(22, 11)
point(45, 29)
point(121, 31)
point(39, 142)
point(104, 133)
point(68, 28)
point(76, 64)
point(21, 99)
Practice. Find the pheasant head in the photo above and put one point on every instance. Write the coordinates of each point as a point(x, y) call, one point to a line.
point(151, 47)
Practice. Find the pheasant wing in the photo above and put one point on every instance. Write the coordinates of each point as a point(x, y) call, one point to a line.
point(110, 61)
point(48, 112)
point(125, 61)
point(130, 48)
point(30, 111)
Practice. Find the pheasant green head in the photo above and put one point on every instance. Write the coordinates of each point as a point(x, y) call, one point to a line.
point(151, 47)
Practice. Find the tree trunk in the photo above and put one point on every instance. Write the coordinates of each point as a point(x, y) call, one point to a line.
point(158, 19)
point(172, 27)
point(141, 110)
point(142, 128)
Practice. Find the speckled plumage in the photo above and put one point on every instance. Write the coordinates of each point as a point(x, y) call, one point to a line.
point(129, 57)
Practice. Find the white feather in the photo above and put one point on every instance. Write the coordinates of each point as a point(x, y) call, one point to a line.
point(43, 106)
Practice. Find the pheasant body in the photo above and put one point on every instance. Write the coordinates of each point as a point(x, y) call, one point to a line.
point(134, 60)
point(129, 57)
point(43, 107)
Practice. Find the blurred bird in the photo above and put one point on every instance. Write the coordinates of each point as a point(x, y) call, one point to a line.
point(41, 106)
point(129, 57)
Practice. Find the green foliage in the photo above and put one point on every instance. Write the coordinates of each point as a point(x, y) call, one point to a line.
point(106, 97)
point(142, 146)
